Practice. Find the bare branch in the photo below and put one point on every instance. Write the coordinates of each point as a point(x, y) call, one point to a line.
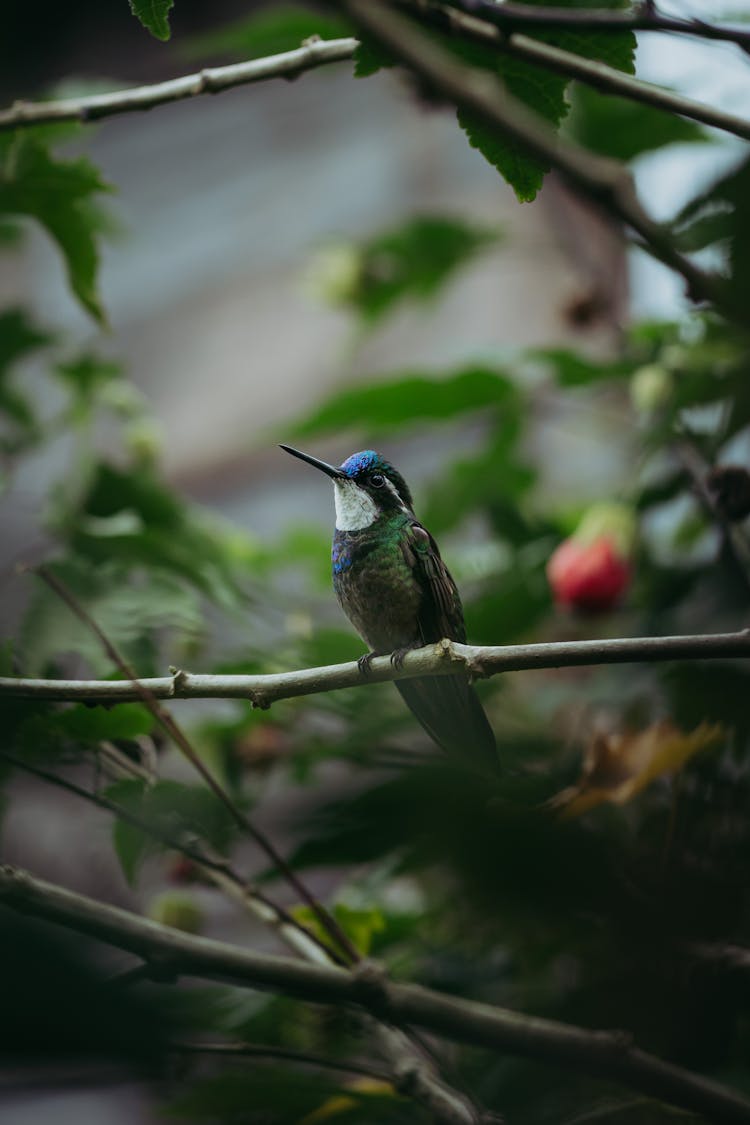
point(330, 926)
point(212, 80)
point(442, 659)
point(611, 1055)
point(593, 73)
point(217, 868)
point(408, 1070)
point(604, 182)
point(642, 17)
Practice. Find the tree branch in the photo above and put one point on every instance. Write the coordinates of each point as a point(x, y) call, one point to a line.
point(319, 52)
point(610, 1055)
point(642, 17)
point(592, 72)
point(330, 926)
point(218, 869)
point(212, 80)
point(442, 659)
point(605, 182)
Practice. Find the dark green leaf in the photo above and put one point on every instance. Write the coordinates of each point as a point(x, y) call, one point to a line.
point(95, 724)
point(624, 129)
point(539, 89)
point(154, 15)
point(410, 399)
point(270, 31)
point(18, 337)
point(413, 260)
point(574, 370)
point(133, 517)
point(722, 214)
point(58, 194)
point(85, 374)
point(172, 809)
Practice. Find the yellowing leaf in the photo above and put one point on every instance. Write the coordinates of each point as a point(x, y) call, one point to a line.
point(618, 766)
point(342, 1103)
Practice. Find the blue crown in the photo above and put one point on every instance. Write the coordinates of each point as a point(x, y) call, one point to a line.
point(363, 462)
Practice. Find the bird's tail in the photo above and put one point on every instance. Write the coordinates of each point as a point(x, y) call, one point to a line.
point(448, 708)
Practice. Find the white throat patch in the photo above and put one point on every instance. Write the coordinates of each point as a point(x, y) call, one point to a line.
point(354, 508)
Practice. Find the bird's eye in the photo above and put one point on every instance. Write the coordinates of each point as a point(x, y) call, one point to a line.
point(377, 480)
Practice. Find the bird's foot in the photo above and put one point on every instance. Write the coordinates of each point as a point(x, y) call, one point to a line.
point(364, 663)
point(397, 656)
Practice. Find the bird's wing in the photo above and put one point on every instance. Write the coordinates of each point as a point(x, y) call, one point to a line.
point(440, 613)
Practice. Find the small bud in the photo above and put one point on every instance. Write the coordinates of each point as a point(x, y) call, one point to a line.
point(334, 273)
point(143, 438)
point(176, 909)
point(651, 388)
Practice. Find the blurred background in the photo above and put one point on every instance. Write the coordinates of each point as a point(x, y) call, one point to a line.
point(256, 278)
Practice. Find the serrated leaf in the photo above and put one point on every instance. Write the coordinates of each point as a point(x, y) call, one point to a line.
point(409, 399)
point(270, 31)
point(536, 87)
point(154, 15)
point(59, 195)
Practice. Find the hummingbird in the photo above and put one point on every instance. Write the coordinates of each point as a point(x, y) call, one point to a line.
point(398, 594)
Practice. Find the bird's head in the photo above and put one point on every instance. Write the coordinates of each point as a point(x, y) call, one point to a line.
point(366, 487)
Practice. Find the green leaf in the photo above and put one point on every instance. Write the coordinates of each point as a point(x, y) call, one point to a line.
point(86, 374)
point(154, 15)
point(97, 724)
point(722, 216)
point(573, 370)
point(624, 129)
point(413, 260)
point(174, 810)
point(358, 925)
point(131, 609)
point(270, 31)
point(58, 194)
point(536, 87)
point(18, 337)
point(384, 407)
point(133, 517)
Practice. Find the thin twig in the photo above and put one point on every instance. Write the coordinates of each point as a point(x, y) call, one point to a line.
point(410, 1071)
point(180, 739)
point(219, 869)
point(270, 1051)
point(610, 1055)
point(643, 17)
point(738, 552)
point(442, 659)
point(604, 182)
point(211, 80)
point(592, 72)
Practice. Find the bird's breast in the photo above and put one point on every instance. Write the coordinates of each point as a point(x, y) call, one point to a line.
point(377, 590)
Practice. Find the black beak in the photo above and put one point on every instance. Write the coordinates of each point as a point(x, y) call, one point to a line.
point(324, 467)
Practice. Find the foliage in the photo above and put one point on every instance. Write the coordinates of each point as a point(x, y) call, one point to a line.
point(615, 838)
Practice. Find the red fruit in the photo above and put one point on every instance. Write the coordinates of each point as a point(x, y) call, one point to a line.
point(590, 576)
